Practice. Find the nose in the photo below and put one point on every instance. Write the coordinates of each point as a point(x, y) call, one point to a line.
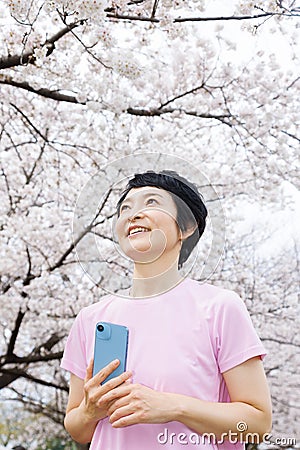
point(135, 215)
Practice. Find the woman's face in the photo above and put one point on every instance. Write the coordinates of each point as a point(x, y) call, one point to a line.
point(147, 226)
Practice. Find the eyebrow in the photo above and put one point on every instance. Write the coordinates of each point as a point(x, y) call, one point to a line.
point(148, 194)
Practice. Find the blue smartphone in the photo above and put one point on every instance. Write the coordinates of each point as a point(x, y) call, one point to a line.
point(111, 342)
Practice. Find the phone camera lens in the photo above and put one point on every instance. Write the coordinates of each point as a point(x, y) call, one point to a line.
point(100, 327)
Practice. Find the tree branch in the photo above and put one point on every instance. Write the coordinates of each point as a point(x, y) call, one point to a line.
point(10, 199)
point(281, 342)
point(44, 92)
point(191, 91)
point(17, 373)
point(291, 135)
point(87, 49)
point(160, 111)
point(209, 19)
point(81, 236)
point(7, 378)
point(201, 19)
point(55, 95)
point(14, 359)
point(35, 406)
point(14, 334)
point(155, 5)
point(29, 122)
point(28, 57)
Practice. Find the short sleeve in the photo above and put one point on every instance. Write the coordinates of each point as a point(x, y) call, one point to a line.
point(236, 338)
point(74, 357)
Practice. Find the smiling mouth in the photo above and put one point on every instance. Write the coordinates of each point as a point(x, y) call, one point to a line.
point(138, 230)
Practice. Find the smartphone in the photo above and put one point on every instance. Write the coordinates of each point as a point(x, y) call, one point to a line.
point(111, 342)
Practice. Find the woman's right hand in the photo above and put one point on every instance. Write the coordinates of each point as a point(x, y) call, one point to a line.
point(93, 390)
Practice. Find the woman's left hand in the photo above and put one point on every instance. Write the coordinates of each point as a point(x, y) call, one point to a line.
point(135, 403)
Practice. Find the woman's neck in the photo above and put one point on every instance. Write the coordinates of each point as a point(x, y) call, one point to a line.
point(148, 281)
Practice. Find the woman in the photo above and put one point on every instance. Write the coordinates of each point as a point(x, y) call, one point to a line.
point(195, 375)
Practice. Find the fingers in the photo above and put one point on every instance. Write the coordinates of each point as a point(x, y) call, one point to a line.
point(118, 391)
point(114, 388)
point(94, 383)
point(89, 371)
point(107, 370)
point(121, 415)
point(130, 419)
point(95, 392)
point(117, 403)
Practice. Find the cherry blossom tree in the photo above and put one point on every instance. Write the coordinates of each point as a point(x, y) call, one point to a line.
point(86, 82)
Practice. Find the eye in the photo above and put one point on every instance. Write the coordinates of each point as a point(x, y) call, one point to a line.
point(151, 200)
point(123, 207)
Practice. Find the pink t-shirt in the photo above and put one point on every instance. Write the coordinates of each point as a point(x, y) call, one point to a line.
point(180, 341)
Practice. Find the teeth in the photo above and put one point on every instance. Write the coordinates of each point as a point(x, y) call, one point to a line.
point(137, 230)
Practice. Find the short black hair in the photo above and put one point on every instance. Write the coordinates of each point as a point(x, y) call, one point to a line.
point(187, 198)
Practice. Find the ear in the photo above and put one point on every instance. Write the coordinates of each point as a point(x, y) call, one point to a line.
point(187, 233)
